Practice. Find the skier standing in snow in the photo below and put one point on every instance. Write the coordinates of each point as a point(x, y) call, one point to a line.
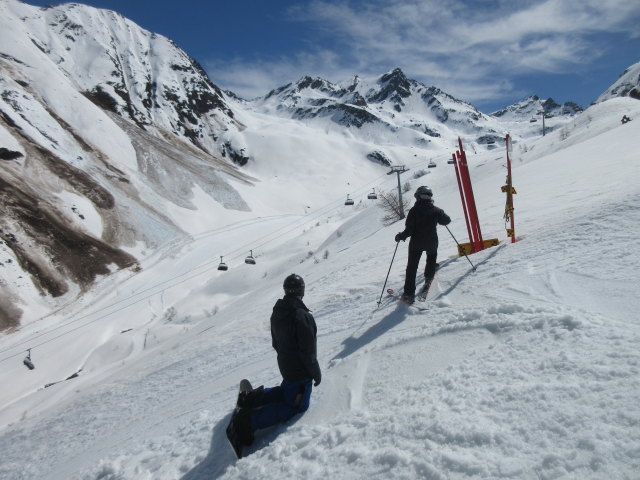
point(293, 336)
point(420, 225)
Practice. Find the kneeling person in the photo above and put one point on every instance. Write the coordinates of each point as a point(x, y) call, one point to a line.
point(293, 336)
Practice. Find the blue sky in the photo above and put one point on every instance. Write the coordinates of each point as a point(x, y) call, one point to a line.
point(490, 53)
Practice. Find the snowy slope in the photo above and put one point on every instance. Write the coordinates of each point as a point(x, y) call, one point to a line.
point(526, 368)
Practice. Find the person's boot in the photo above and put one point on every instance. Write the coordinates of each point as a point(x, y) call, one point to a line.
point(248, 399)
point(407, 298)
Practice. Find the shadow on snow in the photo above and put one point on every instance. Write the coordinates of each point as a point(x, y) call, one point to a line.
point(219, 458)
point(353, 344)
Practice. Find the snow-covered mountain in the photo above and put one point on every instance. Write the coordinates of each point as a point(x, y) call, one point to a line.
point(123, 68)
point(627, 85)
point(389, 108)
point(102, 125)
point(530, 108)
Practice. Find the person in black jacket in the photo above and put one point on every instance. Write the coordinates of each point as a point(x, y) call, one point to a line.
point(420, 225)
point(293, 336)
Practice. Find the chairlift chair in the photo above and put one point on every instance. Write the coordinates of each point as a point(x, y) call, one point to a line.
point(27, 361)
point(432, 164)
point(223, 266)
point(372, 195)
point(349, 201)
point(450, 161)
point(250, 260)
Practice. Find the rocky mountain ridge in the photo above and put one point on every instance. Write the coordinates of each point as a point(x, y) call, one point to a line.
point(388, 105)
point(532, 107)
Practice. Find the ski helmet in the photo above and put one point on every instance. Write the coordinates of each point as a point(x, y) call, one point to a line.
point(294, 285)
point(423, 193)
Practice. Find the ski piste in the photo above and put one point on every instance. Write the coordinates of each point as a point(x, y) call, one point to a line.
point(232, 434)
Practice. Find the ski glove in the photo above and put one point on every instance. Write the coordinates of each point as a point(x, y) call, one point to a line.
point(317, 380)
point(399, 237)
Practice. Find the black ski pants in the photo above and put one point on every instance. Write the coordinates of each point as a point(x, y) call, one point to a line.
point(412, 270)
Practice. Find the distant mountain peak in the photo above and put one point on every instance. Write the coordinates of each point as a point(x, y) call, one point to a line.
point(394, 85)
point(532, 105)
point(315, 83)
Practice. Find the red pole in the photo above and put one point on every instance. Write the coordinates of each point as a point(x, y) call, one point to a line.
point(464, 203)
point(463, 178)
point(473, 212)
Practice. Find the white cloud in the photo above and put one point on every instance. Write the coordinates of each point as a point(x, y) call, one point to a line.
point(256, 77)
point(459, 46)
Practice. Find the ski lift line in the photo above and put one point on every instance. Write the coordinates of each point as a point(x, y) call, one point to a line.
point(168, 281)
point(328, 208)
point(115, 304)
point(331, 206)
point(154, 287)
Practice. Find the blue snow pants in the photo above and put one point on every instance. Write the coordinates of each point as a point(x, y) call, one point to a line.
point(278, 404)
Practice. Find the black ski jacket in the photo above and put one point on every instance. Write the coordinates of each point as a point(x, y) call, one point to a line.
point(420, 225)
point(293, 335)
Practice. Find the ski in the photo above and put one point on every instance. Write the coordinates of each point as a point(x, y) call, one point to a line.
point(422, 296)
point(400, 299)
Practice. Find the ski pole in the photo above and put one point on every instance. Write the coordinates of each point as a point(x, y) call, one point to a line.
point(460, 248)
point(385, 280)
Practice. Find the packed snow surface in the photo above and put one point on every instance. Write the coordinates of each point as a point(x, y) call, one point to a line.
point(526, 368)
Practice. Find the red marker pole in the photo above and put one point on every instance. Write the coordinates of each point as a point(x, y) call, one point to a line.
point(477, 243)
point(464, 203)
